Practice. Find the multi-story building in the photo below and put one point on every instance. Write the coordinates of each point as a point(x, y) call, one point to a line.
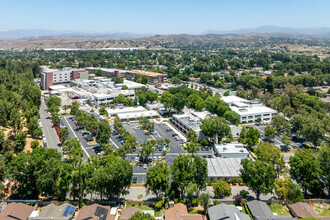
point(190, 119)
point(50, 77)
point(249, 110)
point(153, 77)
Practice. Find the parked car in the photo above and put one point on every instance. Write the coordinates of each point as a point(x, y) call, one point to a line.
point(145, 166)
point(175, 134)
point(155, 158)
point(160, 149)
point(168, 129)
point(136, 159)
point(134, 180)
point(154, 132)
point(132, 158)
point(97, 149)
point(83, 132)
point(203, 148)
point(89, 139)
point(159, 158)
point(119, 137)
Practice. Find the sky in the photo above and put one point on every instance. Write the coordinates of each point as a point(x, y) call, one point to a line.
point(161, 16)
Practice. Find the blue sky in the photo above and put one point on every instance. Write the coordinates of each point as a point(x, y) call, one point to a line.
point(161, 16)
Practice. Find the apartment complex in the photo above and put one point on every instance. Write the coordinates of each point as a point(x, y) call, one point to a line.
point(249, 110)
point(51, 77)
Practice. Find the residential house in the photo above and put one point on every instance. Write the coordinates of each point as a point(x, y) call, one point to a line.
point(224, 211)
point(97, 212)
point(179, 212)
point(16, 211)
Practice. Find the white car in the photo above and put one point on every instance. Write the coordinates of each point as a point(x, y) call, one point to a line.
point(159, 158)
point(145, 166)
point(154, 132)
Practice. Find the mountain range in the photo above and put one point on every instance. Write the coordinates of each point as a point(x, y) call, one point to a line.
point(49, 34)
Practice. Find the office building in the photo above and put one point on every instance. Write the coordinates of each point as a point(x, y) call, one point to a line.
point(231, 151)
point(153, 77)
point(249, 110)
point(223, 168)
point(190, 119)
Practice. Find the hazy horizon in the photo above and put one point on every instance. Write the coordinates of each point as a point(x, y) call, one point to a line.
point(161, 17)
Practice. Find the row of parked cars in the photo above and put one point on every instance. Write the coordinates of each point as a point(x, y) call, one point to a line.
point(86, 135)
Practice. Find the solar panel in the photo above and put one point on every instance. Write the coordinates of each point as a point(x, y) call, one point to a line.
point(69, 210)
point(101, 212)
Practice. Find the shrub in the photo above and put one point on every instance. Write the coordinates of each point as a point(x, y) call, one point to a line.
point(238, 200)
point(133, 204)
point(123, 202)
point(57, 203)
point(195, 201)
point(216, 202)
point(235, 180)
point(229, 181)
point(159, 205)
point(244, 193)
point(240, 181)
point(176, 200)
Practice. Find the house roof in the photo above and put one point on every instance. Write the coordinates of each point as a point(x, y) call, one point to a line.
point(14, 211)
point(53, 211)
point(127, 213)
point(179, 212)
point(261, 211)
point(95, 212)
point(303, 210)
point(224, 211)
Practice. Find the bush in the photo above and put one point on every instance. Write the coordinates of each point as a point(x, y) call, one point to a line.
point(209, 183)
point(216, 202)
point(123, 202)
point(238, 200)
point(140, 203)
point(176, 200)
point(229, 181)
point(195, 201)
point(159, 205)
point(240, 181)
point(133, 204)
point(57, 204)
point(228, 140)
point(244, 193)
point(235, 180)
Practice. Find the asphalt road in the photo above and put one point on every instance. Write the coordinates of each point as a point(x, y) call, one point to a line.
point(48, 128)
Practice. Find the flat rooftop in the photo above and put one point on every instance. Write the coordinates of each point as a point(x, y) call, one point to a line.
point(230, 148)
point(146, 73)
point(137, 114)
point(232, 98)
point(223, 167)
point(112, 111)
point(252, 110)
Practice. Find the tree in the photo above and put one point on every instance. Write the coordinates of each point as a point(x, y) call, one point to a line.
point(98, 72)
point(305, 169)
point(191, 190)
point(324, 160)
point(252, 136)
point(141, 216)
point(113, 178)
point(286, 139)
point(215, 127)
point(280, 123)
point(118, 126)
point(179, 102)
point(34, 144)
point(53, 100)
point(35, 173)
point(147, 148)
point(242, 135)
point(146, 124)
point(258, 176)
point(181, 172)
point(74, 108)
point(270, 84)
point(176, 80)
point(32, 124)
point(226, 93)
point(103, 132)
point(20, 141)
point(192, 148)
point(232, 116)
point(168, 101)
point(66, 107)
point(124, 87)
point(270, 132)
point(200, 173)
point(103, 111)
point(192, 136)
point(64, 134)
point(56, 119)
point(287, 190)
point(204, 198)
point(272, 156)
point(158, 180)
point(221, 189)
point(37, 132)
point(144, 80)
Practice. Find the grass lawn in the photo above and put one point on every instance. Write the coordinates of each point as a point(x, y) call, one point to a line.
point(278, 209)
point(196, 210)
point(322, 209)
point(145, 207)
point(64, 114)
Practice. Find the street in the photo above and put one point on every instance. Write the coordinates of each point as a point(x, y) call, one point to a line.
point(48, 128)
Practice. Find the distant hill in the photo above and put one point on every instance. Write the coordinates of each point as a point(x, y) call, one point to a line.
point(267, 29)
point(155, 42)
point(47, 34)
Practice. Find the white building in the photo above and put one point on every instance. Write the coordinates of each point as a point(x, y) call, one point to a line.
point(112, 112)
point(131, 113)
point(223, 168)
point(190, 119)
point(103, 98)
point(249, 110)
point(231, 151)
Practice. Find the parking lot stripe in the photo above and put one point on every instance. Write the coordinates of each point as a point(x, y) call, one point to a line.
point(76, 137)
point(114, 144)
